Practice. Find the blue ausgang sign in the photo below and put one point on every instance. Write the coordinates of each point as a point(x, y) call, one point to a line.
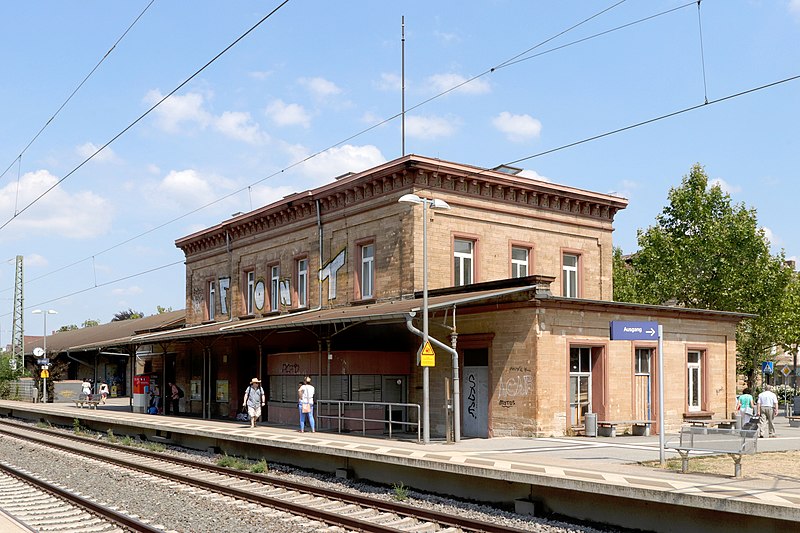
point(633, 331)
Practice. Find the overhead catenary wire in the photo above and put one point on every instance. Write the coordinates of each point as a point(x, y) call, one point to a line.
point(143, 115)
point(343, 141)
point(74, 91)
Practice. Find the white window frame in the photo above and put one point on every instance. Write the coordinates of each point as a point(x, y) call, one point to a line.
point(367, 279)
point(302, 282)
point(463, 264)
point(569, 276)
point(251, 285)
point(518, 264)
point(212, 302)
point(694, 376)
point(274, 287)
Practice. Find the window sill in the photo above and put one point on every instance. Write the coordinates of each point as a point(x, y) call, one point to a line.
point(363, 302)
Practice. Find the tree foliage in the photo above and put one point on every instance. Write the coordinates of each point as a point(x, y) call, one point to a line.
point(90, 323)
point(69, 327)
point(127, 315)
point(705, 252)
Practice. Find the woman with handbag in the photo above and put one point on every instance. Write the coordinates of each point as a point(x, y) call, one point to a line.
point(306, 399)
point(744, 404)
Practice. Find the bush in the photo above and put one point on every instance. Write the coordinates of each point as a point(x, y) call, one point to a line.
point(785, 393)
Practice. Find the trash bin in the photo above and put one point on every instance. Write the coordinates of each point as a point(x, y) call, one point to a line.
point(737, 420)
point(590, 424)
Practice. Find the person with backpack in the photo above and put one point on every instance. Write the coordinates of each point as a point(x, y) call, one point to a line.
point(254, 400)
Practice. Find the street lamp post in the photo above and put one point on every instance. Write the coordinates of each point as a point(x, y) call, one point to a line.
point(44, 344)
point(434, 204)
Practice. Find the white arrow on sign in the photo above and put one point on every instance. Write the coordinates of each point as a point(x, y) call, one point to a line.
point(651, 332)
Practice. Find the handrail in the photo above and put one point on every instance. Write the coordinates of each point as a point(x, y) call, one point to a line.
point(341, 406)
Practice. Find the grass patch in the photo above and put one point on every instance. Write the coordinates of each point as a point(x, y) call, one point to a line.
point(111, 437)
point(400, 492)
point(77, 428)
point(44, 424)
point(260, 467)
point(127, 441)
point(226, 461)
point(154, 446)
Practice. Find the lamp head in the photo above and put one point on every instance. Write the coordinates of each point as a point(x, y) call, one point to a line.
point(410, 199)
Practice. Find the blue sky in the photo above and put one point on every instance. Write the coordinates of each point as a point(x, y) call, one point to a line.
point(316, 73)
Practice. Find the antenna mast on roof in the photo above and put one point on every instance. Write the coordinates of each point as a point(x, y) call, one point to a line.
point(403, 83)
point(17, 328)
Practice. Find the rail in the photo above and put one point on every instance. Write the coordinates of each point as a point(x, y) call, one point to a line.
point(344, 410)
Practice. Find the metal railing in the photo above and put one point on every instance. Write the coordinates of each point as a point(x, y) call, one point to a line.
point(342, 411)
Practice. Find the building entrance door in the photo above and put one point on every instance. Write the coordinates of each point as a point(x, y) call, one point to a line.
point(394, 391)
point(643, 385)
point(580, 384)
point(475, 393)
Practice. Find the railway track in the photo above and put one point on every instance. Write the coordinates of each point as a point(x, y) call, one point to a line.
point(352, 512)
point(39, 504)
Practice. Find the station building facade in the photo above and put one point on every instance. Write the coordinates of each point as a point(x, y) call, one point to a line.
point(328, 283)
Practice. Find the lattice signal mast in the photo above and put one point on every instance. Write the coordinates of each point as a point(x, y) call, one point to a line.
point(17, 329)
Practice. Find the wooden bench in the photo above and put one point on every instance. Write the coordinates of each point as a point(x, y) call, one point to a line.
point(734, 442)
point(608, 428)
point(89, 401)
point(722, 423)
point(794, 421)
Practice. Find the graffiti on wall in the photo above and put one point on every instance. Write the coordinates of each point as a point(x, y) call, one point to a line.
point(517, 382)
point(472, 396)
point(329, 272)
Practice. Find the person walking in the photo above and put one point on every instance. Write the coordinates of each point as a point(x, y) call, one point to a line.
point(86, 389)
point(767, 411)
point(745, 405)
point(306, 394)
point(103, 392)
point(155, 400)
point(254, 400)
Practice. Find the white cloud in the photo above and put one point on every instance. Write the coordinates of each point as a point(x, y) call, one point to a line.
point(389, 82)
point(133, 290)
point(35, 260)
point(76, 215)
point(189, 189)
point(178, 110)
point(517, 128)
point(239, 125)
point(431, 127)
point(446, 37)
point(153, 169)
point(106, 156)
point(444, 82)
point(284, 114)
point(725, 186)
point(340, 160)
point(773, 239)
point(794, 7)
point(533, 175)
point(260, 74)
point(320, 87)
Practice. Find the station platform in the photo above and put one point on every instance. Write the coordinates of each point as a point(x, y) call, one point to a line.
point(601, 471)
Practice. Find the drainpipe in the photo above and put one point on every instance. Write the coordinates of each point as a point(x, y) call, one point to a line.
point(456, 384)
point(319, 232)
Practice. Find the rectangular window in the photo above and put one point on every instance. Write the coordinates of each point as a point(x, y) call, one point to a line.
point(365, 388)
point(302, 283)
point(367, 279)
point(519, 262)
point(251, 284)
point(463, 259)
point(274, 287)
point(580, 384)
point(569, 279)
point(642, 384)
point(212, 294)
point(694, 361)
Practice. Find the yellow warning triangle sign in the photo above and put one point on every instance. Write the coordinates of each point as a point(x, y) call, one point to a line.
point(427, 349)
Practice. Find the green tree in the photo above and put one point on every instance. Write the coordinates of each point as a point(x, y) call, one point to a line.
point(70, 327)
point(161, 310)
point(90, 323)
point(706, 253)
point(127, 315)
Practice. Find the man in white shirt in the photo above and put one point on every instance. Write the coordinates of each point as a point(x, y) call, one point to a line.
point(768, 410)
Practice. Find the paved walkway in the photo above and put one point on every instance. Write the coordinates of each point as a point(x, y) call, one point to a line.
point(610, 461)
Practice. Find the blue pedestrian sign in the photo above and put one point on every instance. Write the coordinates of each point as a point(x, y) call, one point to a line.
point(633, 331)
point(767, 367)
